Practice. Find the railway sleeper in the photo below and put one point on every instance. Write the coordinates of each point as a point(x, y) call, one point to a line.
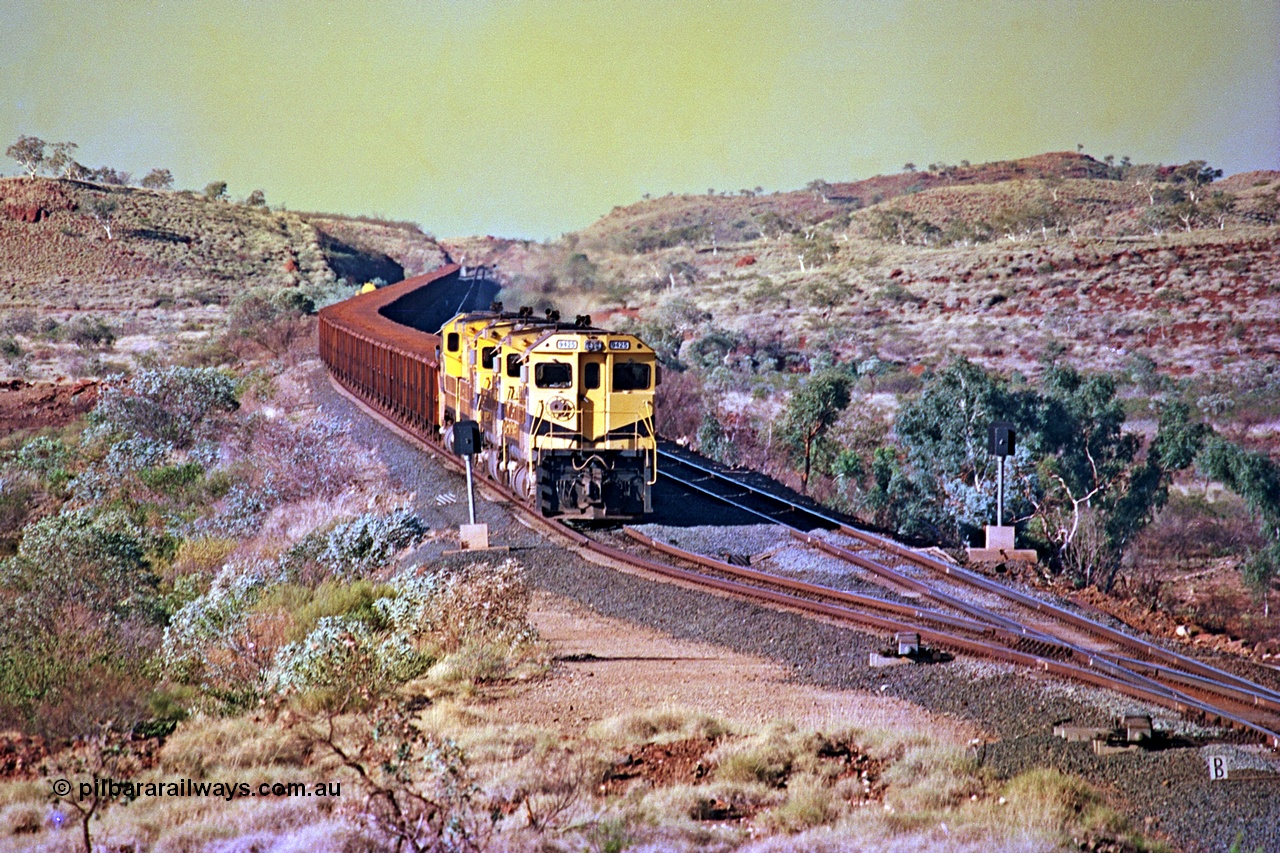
point(1041, 649)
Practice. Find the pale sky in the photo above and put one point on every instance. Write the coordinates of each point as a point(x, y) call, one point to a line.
point(534, 118)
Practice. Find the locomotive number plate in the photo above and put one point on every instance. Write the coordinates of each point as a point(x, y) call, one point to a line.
point(619, 344)
point(566, 344)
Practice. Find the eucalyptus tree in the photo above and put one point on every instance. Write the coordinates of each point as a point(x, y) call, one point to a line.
point(812, 410)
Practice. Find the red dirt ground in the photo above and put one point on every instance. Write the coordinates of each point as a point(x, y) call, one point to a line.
point(33, 405)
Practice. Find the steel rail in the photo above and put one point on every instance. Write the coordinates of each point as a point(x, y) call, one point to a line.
point(899, 579)
point(810, 589)
point(1062, 614)
point(1265, 696)
point(1145, 689)
point(1118, 665)
point(1114, 665)
point(1198, 682)
point(590, 548)
point(982, 614)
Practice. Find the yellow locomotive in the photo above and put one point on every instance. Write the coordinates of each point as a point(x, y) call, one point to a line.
point(566, 409)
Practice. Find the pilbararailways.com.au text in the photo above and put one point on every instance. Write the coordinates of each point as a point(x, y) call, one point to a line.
point(111, 789)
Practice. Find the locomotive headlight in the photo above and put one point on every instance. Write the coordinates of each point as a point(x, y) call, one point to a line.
point(561, 409)
point(594, 345)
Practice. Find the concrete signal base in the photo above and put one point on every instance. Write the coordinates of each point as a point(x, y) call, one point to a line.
point(475, 537)
point(1000, 547)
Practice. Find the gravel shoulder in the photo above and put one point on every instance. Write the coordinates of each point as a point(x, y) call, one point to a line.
point(607, 667)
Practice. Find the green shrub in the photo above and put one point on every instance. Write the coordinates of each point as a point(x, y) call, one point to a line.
point(80, 625)
point(194, 641)
point(10, 348)
point(332, 598)
point(178, 405)
point(43, 456)
point(95, 559)
point(478, 603)
point(344, 656)
point(87, 332)
point(370, 542)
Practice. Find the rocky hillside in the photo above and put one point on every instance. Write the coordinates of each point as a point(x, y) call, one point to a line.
point(999, 262)
point(730, 217)
point(85, 265)
point(66, 242)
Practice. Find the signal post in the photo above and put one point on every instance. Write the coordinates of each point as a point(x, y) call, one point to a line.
point(1000, 538)
point(467, 440)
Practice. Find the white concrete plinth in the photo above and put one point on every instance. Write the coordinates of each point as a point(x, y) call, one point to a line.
point(1000, 547)
point(1000, 537)
point(474, 537)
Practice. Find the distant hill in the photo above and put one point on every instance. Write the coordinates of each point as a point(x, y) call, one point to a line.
point(86, 246)
point(658, 222)
point(1001, 262)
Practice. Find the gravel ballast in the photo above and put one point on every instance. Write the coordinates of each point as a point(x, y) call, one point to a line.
point(1168, 792)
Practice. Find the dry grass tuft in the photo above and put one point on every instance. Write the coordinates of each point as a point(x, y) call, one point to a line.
point(1049, 800)
point(22, 792)
point(688, 806)
point(202, 556)
point(932, 777)
point(200, 746)
point(810, 802)
point(658, 725)
point(22, 818)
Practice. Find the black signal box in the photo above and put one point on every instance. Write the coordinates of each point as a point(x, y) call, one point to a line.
point(466, 438)
point(1000, 439)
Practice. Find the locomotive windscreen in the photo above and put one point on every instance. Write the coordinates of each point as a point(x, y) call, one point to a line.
point(630, 376)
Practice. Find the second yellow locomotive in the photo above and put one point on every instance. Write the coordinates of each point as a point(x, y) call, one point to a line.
point(566, 409)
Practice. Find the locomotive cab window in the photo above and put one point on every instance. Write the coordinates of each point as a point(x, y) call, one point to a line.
point(591, 375)
point(513, 365)
point(487, 356)
point(451, 342)
point(553, 374)
point(630, 376)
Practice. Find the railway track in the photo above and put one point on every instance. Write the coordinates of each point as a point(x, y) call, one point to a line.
point(1012, 643)
point(1013, 618)
point(380, 355)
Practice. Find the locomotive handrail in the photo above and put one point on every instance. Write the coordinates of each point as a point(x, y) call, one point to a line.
point(537, 421)
point(653, 431)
